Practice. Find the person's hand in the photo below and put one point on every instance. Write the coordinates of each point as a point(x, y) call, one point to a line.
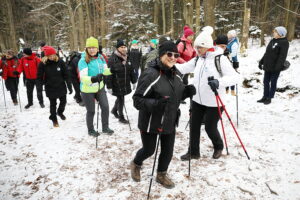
point(97, 78)
point(260, 66)
point(214, 84)
point(189, 91)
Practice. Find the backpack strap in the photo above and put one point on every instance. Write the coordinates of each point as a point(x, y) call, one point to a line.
point(218, 64)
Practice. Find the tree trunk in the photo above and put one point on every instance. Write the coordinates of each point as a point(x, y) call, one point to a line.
point(209, 14)
point(102, 7)
point(197, 23)
point(292, 20)
point(74, 40)
point(87, 6)
point(263, 21)
point(81, 26)
point(245, 33)
point(172, 18)
point(156, 13)
point(163, 9)
point(12, 31)
point(287, 5)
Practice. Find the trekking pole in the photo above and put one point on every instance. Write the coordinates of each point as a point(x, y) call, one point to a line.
point(237, 106)
point(127, 115)
point(218, 98)
point(190, 140)
point(4, 94)
point(97, 124)
point(19, 94)
point(187, 125)
point(156, 150)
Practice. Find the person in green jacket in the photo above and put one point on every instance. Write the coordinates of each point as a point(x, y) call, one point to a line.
point(92, 70)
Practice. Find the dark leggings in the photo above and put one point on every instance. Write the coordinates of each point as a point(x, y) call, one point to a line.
point(148, 149)
point(211, 126)
point(119, 104)
point(61, 107)
point(270, 84)
point(12, 86)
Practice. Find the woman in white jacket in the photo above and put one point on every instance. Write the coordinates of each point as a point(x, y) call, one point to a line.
point(204, 101)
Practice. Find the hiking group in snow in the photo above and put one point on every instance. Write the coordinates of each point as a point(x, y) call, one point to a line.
point(159, 80)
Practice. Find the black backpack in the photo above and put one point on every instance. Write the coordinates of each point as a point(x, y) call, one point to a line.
point(73, 55)
point(184, 43)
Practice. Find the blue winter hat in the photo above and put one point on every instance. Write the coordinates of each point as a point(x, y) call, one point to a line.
point(281, 31)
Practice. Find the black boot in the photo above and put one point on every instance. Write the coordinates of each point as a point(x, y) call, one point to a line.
point(186, 156)
point(28, 105)
point(62, 116)
point(267, 101)
point(93, 133)
point(217, 153)
point(262, 100)
point(42, 105)
point(115, 113)
point(15, 101)
point(123, 120)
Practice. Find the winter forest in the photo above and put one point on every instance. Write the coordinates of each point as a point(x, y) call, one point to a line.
point(187, 100)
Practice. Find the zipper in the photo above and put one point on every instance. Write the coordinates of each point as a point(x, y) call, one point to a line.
point(200, 74)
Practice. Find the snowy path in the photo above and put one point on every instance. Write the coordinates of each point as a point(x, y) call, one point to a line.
point(38, 161)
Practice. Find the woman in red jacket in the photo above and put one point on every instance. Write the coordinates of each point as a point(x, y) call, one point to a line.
point(9, 64)
point(29, 65)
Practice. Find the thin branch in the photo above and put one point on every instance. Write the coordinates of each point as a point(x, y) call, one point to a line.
point(39, 9)
point(286, 9)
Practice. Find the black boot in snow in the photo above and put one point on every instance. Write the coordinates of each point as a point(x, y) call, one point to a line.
point(123, 120)
point(62, 116)
point(217, 153)
point(28, 105)
point(267, 101)
point(262, 100)
point(55, 123)
point(93, 133)
point(115, 113)
point(15, 101)
point(42, 105)
point(107, 131)
point(186, 156)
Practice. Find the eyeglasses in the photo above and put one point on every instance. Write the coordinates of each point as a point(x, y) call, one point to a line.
point(170, 54)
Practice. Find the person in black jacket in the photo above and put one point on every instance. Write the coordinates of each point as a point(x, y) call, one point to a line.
point(53, 72)
point(122, 75)
point(73, 72)
point(157, 97)
point(135, 56)
point(272, 63)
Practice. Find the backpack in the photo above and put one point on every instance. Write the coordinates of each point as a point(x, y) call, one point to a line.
point(184, 43)
point(217, 63)
point(73, 55)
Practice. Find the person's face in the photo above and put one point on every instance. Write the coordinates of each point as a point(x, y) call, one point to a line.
point(229, 36)
point(122, 49)
point(134, 45)
point(8, 56)
point(169, 59)
point(52, 57)
point(152, 45)
point(222, 46)
point(275, 34)
point(92, 51)
point(201, 50)
point(191, 37)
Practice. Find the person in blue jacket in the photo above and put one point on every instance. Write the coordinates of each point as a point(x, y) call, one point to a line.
point(92, 71)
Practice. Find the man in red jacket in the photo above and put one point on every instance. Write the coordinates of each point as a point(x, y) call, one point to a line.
point(29, 65)
point(9, 64)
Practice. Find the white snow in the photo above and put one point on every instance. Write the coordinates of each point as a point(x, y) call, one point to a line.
point(42, 162)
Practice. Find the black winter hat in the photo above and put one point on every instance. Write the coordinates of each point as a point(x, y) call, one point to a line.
point(120, 43)
point(27, 51)
point(162, 39)
point(222, 39)
point(42, 43)
point(167, 46)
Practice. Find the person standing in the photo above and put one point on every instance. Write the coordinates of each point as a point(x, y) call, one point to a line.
point(92, 70)
point(204, 102)
point(135, 56)
point(122, 75)
point(9, 66)
point(272, 63)
point(29, 65)
point(157, 97)
point(53, 72)
point(233, 48)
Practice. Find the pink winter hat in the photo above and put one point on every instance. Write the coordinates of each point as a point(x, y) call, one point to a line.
point(187, 31)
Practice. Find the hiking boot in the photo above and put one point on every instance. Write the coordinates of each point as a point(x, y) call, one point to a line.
point(233, 93)
point(262, 100)
point(186, 156)
point(28, 105)
point(267, 101)
point(115, 113)
point(217, 153)
point(123, 120)
point(15, 101)
point(62, 116)
point(55, 123)
point(93, 133)
point(42, 105)
point(135, 171)
point(163, 179)
point(108, 131)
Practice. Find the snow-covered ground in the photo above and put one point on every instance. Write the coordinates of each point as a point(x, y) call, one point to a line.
point(38, 161)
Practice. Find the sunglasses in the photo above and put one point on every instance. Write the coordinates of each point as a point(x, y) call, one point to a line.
point(170, 54)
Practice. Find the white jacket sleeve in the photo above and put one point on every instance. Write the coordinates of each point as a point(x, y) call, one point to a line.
point(234, 49)
point(230, 76)
point(187, 67)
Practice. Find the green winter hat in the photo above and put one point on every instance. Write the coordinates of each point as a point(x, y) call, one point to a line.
point(154, 41)
point(134, 42)
point(92, 42)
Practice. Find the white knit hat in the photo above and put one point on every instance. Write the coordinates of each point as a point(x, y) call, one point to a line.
point(204, 39)
point(231, 33)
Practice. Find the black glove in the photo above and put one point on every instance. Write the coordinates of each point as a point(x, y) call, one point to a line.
point(16, 73)
point(235, 65)
point(162, 102)
point(260, 65)
point(189, 91)
point(213, 83)
point(226, 52)
point(97, 78)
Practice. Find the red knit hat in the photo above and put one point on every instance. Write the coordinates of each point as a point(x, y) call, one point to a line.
point(187, 31)
point(48, 50)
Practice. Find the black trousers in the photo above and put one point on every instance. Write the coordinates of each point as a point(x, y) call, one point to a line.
point(12, 85)
point(76, 86)
point(61, 107)
point(211, 127)
point(30, 83)
point(119, 104)
point(270, 84)
point(148, 149)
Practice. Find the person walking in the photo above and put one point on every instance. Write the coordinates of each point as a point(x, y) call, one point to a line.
point(92, 71)
point(53, 72)
point(157, 97)
point(272, 63)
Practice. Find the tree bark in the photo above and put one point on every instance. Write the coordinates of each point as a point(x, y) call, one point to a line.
point(245, 34)
point(12, 30)
point(102, 6)
point(292, 20)
point(87, 6)
point(163, 9)
point(81, 26)
point(209, 14)
point(263, 21)
point(156, 12)
point(172, 17)
point(197, 22)
point(74, 38)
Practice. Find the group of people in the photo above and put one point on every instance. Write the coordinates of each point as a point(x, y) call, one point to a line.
point(159, 90)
